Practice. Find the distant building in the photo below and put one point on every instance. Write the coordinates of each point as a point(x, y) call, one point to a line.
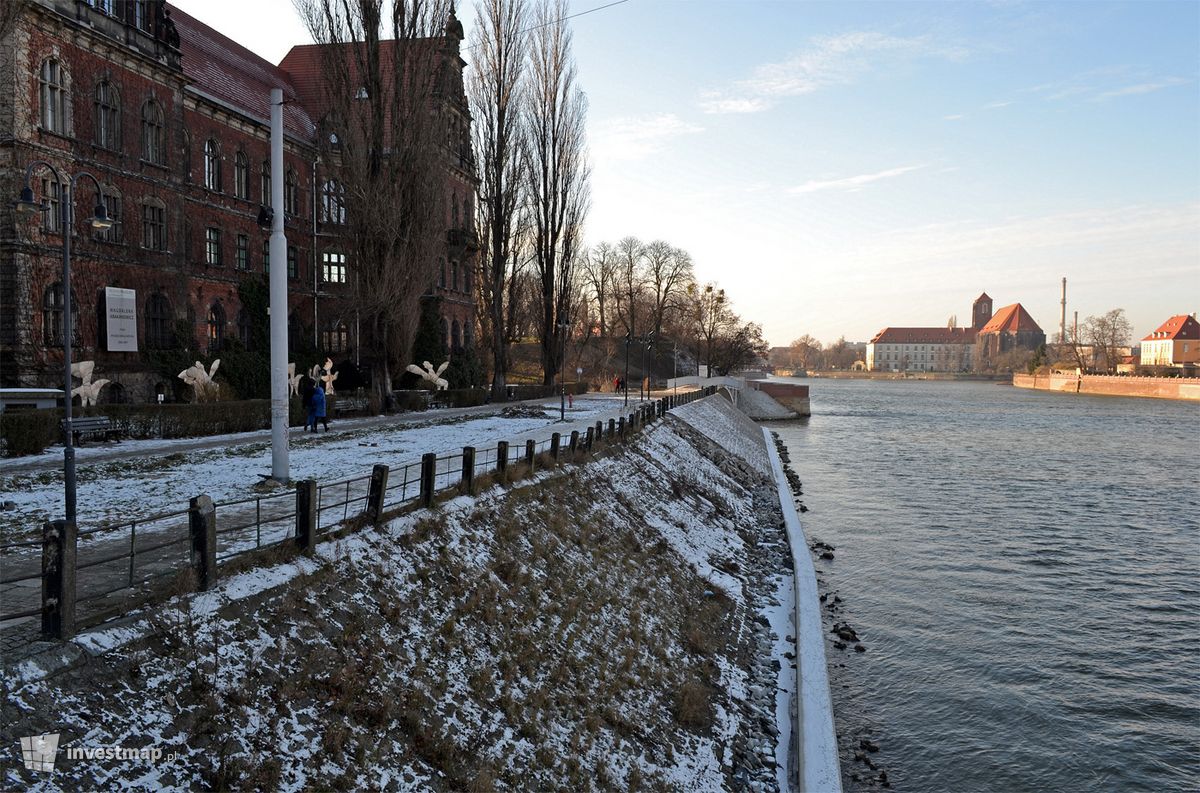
point(1010, 329)
point(1175, 342)
point(947, 349)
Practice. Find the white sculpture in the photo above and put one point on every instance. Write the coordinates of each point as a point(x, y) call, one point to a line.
point(325, 375)
point(293, 380)
point(88, 392)
point(429, 374)
point(202, 381)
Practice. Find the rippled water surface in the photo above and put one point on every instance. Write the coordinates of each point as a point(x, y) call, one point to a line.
point(1024, 570)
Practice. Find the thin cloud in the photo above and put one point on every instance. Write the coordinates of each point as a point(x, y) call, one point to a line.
point(1097, 85)
point(852, 183)
point(996, 105)
point(633, 138)
point(955, 117)
point(1141, 88)
point(826, 62)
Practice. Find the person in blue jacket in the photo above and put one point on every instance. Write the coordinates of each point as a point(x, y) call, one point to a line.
point(317, 410)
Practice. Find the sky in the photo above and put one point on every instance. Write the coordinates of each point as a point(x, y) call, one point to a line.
point(842, 167)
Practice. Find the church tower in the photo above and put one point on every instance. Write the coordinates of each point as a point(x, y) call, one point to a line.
point(981, 311)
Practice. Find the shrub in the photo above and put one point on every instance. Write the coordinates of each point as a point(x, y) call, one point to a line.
point(29, 431)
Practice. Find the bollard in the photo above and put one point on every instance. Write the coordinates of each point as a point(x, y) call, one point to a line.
point(375, 491)
point(599, 436)
point(555, 444)
point(612, 428)
point(58, 579)
point(530, 453)
point(502, 461)
point(574, 444)
point(467, 485)
point(202, 521)
point(428, 472)
point(306, 515)
point(587, 444)
point(621, 426)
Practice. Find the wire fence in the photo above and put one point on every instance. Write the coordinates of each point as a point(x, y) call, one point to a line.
point(106, 569)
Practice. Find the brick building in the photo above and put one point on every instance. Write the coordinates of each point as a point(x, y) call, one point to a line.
point(172, 118)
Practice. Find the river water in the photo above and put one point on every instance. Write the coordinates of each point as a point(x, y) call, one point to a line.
point(1023, 569)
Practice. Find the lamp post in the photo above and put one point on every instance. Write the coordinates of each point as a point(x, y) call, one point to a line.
point(625, 382)
point(563, 327)
point(27, 205)
point(648, 355)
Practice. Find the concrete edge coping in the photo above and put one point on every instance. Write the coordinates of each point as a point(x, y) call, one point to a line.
point(819, 768)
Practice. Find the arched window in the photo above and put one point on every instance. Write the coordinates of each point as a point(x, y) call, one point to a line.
point(337, 338)
point(241, 175)
point(333, 202)
point(159, 333)
point(455, 337)
point(245, 328)
point(108, 116)
point(55, 106)
point(186, 164)
point(153, 148)
point(467, 278)
point(112, 203)
point(212, 165)
point(154, 225)
point(467, 337)
point(454, 276)
point(291, 195)
point(52, 316)
point(216, 328)
point(266, 183)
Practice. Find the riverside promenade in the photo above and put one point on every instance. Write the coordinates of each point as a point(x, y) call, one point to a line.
point(1187, 388)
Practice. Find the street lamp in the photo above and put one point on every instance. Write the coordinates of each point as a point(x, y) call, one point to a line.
point(26, 205)
point(648, 343)
point(563, 327)
point(625, 382)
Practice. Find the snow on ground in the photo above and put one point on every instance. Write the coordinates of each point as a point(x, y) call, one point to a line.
point(164, 481)
point(762, 407)
point(602, 627)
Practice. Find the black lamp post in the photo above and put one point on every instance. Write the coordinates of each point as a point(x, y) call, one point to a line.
point(563, 327)
point(650, 339)
point(27, 205)
point(625, 382)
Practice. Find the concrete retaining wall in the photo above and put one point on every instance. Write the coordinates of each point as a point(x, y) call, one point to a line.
point(1108, 385)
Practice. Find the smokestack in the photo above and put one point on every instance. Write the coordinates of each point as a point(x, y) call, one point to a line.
point(1062, 323)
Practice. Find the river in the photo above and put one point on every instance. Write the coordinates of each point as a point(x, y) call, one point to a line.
point(1023, 569)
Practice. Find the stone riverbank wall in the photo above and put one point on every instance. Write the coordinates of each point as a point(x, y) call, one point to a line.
point(1107, 385)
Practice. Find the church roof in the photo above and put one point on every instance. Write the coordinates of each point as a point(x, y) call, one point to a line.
point(925, 336)
point(1180, 326)
point(983, 296)
point(1011, 319)
point(224, 70)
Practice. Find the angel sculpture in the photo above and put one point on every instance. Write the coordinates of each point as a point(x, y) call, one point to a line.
point(431, 375)
point(200, 380)
point(293, 380)
point(329, 376)
point(88, 392)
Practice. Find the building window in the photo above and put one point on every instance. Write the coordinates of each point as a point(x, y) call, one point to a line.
point(212, 246)
point(154, 227)
point(52, 316)
point(241, 175)
point(241, 255)
point(108, 116)
point(454, 276)
point(212, 165)
point(216, 328)
point(159, 334)
point(52, 217)
point(54, 97)
point(186, 164)
point(152, 133)
point(112, 204)
point(266, 257)
point(292, 259)
point(291, 196)
point(333, 268)
point(337, 338)
point(245, 333)
point(333, 203)
point(467, 279)
point(143, 16)
point(266, 183)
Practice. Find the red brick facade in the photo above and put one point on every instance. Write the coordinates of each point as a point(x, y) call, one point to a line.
point(188, 204)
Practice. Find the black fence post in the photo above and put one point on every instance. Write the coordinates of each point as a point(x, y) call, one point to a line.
point(428, 473)
point(202, 521)
point(502, 460)
point(599, 436)
point(612, 428)
point(468, 470)
point(574, 444)
point(555, 444)
point(621, 426)
point(58, 579)
point(587, 443)
point(379, 480)
point(306, 515)
point(530, 453)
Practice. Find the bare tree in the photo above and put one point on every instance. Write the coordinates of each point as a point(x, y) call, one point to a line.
point(713, 317)
point(558, 174)
point(1107, 334)
point(630, 282)
point(600, 270)
point(668, 273)
point(497, 87)
point(806, 351)
point(388, 79)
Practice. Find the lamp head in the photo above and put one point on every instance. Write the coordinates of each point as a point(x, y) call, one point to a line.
point(100, 219)
point(266, 216)
point(26, 204)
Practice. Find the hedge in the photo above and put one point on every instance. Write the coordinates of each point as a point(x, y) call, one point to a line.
point(29, 431)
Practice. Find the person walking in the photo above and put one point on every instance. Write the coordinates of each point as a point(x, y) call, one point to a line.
point(318, 407)
point(306, 400)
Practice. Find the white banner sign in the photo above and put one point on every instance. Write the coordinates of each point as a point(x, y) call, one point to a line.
point(121, 319)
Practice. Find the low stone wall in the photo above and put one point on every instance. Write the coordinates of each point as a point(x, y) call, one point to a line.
point(1110, 385)
point(792, 396)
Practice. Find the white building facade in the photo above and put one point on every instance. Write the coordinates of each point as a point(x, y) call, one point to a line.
point(922, 350)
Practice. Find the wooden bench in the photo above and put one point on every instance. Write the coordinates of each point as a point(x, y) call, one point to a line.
point(350, 405)
point(93, 426)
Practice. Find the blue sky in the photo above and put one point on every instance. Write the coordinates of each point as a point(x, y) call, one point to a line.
point(840, 167)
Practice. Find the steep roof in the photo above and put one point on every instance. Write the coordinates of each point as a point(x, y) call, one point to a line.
point(925, 336)
point(221, 68)
point(983, 296)
point(1180, 326)
point(1011, 319)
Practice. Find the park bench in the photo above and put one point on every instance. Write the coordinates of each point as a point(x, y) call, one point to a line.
point(344, 405)
point(93, 426)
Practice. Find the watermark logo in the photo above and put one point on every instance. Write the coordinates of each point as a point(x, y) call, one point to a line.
point(40, 751)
